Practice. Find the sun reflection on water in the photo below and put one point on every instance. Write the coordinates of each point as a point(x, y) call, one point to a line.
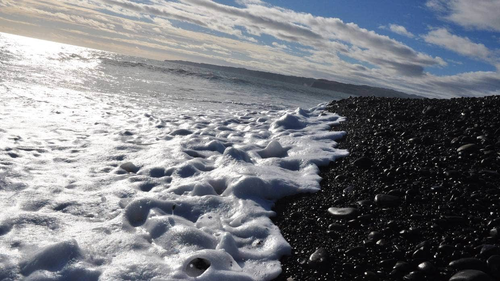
point(48, 63)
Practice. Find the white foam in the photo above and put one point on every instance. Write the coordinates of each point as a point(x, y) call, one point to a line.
point(124, 186)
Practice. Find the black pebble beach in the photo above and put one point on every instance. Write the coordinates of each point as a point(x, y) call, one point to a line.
point(418, 198)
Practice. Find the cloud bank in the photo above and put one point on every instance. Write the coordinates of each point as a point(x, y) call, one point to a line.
point(478, 14)
point(461, 45)
point(300, 43)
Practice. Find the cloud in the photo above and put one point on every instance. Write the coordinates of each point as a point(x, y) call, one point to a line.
point(172, 12)
point(318, 32)
point(280, 46)
point(399, 29)
point(455, 62)
point(5, 3)
point(478, 14)
point(246, 2)
point(304, 44)
point(461, 45)
point(468, 84)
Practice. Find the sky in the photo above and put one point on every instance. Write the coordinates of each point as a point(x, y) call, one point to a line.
point(434, 48)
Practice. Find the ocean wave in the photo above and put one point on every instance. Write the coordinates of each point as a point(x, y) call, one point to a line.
point(198, 73)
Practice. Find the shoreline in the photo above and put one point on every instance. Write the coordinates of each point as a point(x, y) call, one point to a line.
point(423, 180)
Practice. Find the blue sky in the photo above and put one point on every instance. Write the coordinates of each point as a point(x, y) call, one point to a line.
point(415, 16)
point(436, 48)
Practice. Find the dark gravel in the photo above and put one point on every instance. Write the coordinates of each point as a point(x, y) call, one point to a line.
point(424, 177)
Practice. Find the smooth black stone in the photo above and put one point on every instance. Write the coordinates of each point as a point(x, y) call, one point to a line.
point(467, 147)
point(402, 266)
point(385, 200)
point(197, 267)
point(410, 234)
point(388, 263)
point(363, 162)
point(494, 233)
point(375, 235)
point(420, 254)
point(382, 243)
point(489, 250)
point(319, 256)
point(296, 216)
point(343, 213)
point(471, 275)
point(427, 268)
point(468, 263)
point(365, 218)
point(494, 265)
point(353, 223)
point(364, 203)
point(453, 220)
point(429, 110)
point(370, 275)
point(336, 227)
point(356, 251)
point(414, 276)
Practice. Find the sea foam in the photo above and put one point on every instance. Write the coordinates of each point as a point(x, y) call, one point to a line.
point(131, 186)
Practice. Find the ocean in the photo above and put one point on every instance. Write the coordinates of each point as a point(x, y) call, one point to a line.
point(115, 167)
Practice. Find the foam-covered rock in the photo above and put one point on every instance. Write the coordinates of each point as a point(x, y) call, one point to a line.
point(52, 258)
point(273, 149)
point(236, 154)
point(129, 167)
point(287, 121)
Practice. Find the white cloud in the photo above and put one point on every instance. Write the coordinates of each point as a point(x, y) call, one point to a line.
point(318, 32)
point(5, 3)
point(436, 5)
point(246, 2)
point(478, 14)
point(319, 43)
point(461, 45)
point(280, 46)
point(455, 62)
point(401, 30)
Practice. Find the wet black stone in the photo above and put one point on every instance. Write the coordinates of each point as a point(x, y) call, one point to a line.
point(452, 220)
point(445, 251)
point(375, 235)
point(493, 264)
point(336, 227)
point(363, 162)
point(468, 263)
point(343, 213)
point(388, 263)
point(414, 276)
point(489, 250)
point(356, 251)
point(467, 148)
point(370, 275)
point(197, 267)
point(449, 201)
point(402, 266)
point(430, 111)
point(410, 234)
point(427, 268)
point(471, 275)
point(385, 200)
point(420, 255)
point(494, 233)
point(318, 257)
